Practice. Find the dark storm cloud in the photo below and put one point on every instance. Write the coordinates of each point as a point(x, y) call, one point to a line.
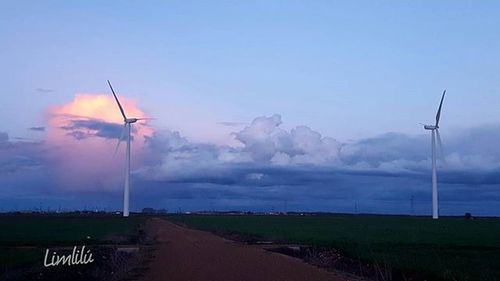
point(78, 135)
point(254, 175)
point(303, 166)
point(381, 194)
point(480, 140)
point(17, 163)
point(477, 177)
point(4, 137)
point(81, 129)
point(300, 166)
point(385, 148)
point(19, 155)
point(37, 129)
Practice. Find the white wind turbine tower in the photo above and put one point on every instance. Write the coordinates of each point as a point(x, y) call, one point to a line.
point(435, 131)
point(127, 126)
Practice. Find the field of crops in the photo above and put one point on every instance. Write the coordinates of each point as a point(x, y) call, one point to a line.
point(449, 248)
point(23, 238)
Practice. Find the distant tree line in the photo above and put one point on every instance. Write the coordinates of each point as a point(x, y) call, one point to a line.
point(151, 211)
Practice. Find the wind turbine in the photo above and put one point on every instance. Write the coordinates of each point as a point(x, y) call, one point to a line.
point(435, 132)
point(126, 126)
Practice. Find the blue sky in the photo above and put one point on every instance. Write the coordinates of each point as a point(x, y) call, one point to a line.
point(352, 71)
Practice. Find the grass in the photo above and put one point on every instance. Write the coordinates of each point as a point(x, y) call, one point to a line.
point(449, 249)
point(23, 238)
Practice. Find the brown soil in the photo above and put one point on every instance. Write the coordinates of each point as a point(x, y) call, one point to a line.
point(188, 254)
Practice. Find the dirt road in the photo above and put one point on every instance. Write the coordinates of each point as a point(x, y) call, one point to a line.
point(187, 254)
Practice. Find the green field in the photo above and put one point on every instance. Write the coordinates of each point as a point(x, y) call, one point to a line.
point(449, 249)
point(23, 238)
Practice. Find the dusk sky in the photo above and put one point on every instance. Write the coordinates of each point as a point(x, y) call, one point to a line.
point(258, 105)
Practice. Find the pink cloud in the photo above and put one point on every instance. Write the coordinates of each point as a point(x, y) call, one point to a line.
point(82, 136)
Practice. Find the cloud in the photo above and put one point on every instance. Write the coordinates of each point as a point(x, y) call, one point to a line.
point(267, 165)
point(4, 137)
point(387, 168)
point(82, 134)
point(270, 156)
point(37, 129)
point(265, 141)
point(385, 148)
point(472, 150)
point(81, 129)
point(270, 152)
point(232, 124)
point(18, 156)
point(265, 149)
point(44, 90)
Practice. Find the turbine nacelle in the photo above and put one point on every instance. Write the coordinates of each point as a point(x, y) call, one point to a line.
point(430, 127)
point(131, 120)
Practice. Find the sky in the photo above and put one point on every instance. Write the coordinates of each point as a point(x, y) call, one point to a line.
point(258, 105)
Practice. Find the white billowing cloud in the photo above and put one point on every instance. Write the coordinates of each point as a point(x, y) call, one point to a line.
point(263, 138)
point(166, 141)
point(265, 141)
point(177, 156)
point(268, 154)
point(281, 158)
point(311, 148)
point(233, 155)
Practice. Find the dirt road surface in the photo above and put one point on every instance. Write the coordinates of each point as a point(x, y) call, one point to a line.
point(188, 254)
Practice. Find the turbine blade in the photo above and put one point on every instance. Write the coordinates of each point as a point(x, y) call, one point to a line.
point(438, 115)
point(120, 139)
point(117, 101)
